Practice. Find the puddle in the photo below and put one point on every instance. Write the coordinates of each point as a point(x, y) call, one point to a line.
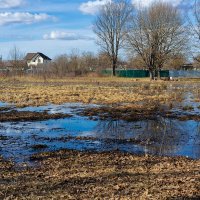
point(67, 108)
point(191, 107)
point(159, 137)
point(3, 104)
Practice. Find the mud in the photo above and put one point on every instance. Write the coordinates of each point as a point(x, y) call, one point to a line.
point(39, 146)
point(18, 116)
point(132, 114)
point(112, 175)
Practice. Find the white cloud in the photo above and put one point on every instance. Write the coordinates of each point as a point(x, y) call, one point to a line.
point(146, 3)
point(22, 18)
point(11, 3)
point(65, 35)
point(92, 7)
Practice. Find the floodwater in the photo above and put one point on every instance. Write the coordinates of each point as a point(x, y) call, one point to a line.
point(158, 137)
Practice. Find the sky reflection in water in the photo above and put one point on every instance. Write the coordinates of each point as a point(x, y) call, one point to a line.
point(158, 137)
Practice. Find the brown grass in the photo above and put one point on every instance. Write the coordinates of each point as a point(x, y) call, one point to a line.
point(31, 91)
point(75, 175)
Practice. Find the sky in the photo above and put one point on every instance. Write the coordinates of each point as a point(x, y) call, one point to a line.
point(54, 27)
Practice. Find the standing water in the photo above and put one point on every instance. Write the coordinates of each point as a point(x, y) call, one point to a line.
point(163, 136)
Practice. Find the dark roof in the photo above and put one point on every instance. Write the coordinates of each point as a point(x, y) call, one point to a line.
point(29, 56)
point(44, 56)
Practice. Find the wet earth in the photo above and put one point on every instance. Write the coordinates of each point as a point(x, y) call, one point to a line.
point(66, 127)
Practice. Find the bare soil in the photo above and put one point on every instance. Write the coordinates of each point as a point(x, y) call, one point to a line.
point(134, 113)
point(87, 175)
point(113, 175)
point(17, 116)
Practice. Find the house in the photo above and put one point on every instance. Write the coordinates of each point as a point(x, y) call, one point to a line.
point(36, 59)
point(188, 66)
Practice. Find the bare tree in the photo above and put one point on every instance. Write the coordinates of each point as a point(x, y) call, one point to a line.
point(156, 33)
point(89, 61)
point(136, 62)
point(103, 61)
point(61, 65)
point(197, 18)
point(196, 25)
point(175, 62)
point(16, 59)
point(110, 27)
point(196, 62)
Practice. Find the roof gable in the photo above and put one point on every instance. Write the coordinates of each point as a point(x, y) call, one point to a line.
point(44, 56)
point(30, 56)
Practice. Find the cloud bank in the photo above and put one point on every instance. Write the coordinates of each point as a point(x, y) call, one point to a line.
point(92, 7)
point(22, 18)
point(11, 3)
point(65, 35)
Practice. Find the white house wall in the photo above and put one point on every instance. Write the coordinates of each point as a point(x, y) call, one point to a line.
point(37, 60)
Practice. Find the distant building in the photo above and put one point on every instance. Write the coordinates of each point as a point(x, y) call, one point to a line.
point(36, 59)
point(188, 66)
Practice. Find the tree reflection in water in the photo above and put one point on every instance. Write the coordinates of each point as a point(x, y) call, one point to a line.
point(161, 137)
point(197, 141)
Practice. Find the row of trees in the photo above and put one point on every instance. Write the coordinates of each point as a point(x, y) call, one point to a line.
point(154, 34)
point(154, 37)
point(76, 63)
point(72, 64)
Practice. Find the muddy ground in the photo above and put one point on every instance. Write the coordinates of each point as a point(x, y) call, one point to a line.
point(126, 113)
point(70, 174)
point(113, 175)
point(17, 116)
point(131, 113)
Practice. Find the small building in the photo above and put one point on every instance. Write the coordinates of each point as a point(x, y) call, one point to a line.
point(188, 66)
point(36, 59)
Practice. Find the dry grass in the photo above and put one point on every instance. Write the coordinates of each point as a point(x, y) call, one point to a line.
point(75, 175)
point(31, 91)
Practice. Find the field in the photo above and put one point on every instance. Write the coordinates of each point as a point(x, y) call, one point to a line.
point(31, 91)
point(159, 116)
point(77, 175)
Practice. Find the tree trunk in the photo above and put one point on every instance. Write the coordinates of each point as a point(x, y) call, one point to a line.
point(158, 74)
point(114, 63)
point(152, 74)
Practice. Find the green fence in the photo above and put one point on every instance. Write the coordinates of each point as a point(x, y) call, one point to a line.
point(134, 73)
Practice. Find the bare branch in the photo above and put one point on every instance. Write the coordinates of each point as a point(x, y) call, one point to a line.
point(156, 33)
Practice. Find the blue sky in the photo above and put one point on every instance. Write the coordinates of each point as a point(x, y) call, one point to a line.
point(53, 26)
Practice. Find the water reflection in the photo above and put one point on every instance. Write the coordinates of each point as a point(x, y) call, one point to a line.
point(197, 141)
point(160, 137)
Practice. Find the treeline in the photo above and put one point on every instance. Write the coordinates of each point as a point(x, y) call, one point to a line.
point(153, 35)
point(81, 64)
point(154, 38)
point(77, 64)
